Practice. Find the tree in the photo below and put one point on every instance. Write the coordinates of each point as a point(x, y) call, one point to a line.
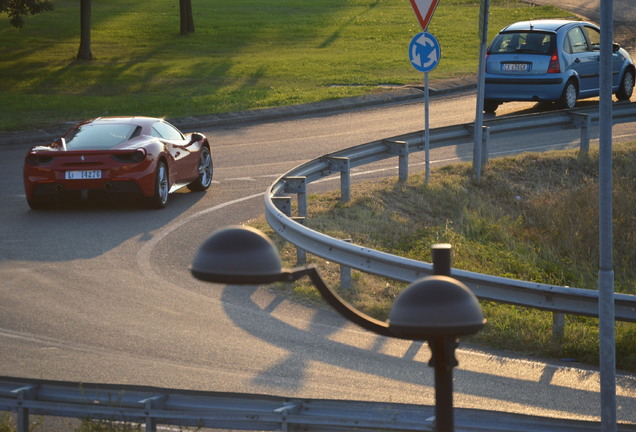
point(84, 52)
point(186, 17)
point(17, 9)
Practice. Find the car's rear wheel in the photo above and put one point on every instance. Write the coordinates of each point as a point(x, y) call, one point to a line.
point(37, 203)
point(490, 106)
point(627, 86)
point(569, 95)
point(206, 170)
point(162, 187)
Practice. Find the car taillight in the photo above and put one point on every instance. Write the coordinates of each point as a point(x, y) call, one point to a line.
point(134, 157)
point(139, 155)
point(554, 67)
point(34, 159)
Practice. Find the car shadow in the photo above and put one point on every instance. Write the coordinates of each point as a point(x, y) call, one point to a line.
point(82, 229)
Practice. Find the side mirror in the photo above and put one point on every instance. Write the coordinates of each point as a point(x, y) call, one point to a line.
point(195, 137)
point(615, 47)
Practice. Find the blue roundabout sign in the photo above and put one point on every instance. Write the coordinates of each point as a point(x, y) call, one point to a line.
point(424, 52)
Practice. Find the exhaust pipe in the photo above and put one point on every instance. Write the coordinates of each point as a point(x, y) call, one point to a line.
point(108, 186)
point(59, 188)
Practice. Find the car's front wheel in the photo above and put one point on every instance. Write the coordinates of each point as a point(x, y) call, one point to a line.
point(206, 170)
point(569, 95)
point(627, 86)
point(162, 187)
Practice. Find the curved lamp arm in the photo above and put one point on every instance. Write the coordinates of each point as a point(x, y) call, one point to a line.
point(337, 302)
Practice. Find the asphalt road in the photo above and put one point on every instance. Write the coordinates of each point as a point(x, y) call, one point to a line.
point(103, 293)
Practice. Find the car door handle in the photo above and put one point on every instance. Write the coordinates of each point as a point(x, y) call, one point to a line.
point(577, 60)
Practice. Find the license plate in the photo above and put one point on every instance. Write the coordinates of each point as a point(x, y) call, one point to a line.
point(515, 67)
point(81, 175)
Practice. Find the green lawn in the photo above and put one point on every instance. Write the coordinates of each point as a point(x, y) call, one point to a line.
point(244, 55)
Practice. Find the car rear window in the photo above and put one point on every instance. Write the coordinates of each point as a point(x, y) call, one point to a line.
point(99, 136)
point(530, 42)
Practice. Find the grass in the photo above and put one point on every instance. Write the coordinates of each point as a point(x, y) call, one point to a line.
point(244, 55)
point(532, 217)
point(8, 423)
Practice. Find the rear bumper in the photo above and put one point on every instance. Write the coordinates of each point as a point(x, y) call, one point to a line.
point(523, 89)
point(45, 181)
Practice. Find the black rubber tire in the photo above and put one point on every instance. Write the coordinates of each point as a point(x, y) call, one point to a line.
point(626, 87)
point(490, 106)
point(569, 95)
point(36, 203)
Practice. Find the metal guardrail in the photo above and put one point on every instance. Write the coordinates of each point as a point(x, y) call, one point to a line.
point(153, 406)
point(553, 298)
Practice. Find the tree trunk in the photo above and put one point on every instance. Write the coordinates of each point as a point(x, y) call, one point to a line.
point(84, 52)
point(186, 17)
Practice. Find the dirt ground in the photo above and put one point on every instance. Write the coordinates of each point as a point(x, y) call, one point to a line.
point(625, 35)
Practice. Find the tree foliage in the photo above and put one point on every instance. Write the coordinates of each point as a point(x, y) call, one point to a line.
point(18, 9)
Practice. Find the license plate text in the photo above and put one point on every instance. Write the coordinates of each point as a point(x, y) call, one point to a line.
point(82, 175)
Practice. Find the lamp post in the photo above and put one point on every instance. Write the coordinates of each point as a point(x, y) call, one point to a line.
point(438, 308)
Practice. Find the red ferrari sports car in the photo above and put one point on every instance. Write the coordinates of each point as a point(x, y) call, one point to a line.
point(111, 155)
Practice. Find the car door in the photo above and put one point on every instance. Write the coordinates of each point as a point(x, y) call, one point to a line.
point(584, 59)
point(177, 146)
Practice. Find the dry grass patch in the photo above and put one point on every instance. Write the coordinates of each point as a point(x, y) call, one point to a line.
point(532, 217)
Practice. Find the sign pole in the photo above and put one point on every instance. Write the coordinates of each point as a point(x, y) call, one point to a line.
point(607, 330)
point(481, 82)
point(427, 134)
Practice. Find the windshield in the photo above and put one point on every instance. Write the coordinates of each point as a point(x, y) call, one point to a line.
point(522, 42)
point(99, 136)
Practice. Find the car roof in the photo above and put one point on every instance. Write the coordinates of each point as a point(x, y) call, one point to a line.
point(132, 120)
point(551, 25)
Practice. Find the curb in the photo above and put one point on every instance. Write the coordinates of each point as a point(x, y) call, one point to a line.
point(188, 124)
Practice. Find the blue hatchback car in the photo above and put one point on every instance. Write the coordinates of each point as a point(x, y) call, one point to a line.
point(551, 60)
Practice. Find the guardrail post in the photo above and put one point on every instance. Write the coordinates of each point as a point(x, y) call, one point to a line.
point(342, 164)
point(485, 145)
point(345, 273)
point(298, 185)
point(154, 402)
point(301, 254)
point(283, 203)
point(583, 121)
point(401, 149)
point(24, 393)
point(558, 326)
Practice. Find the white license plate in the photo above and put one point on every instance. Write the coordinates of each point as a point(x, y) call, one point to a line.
point(515, 67)
point(81, 175)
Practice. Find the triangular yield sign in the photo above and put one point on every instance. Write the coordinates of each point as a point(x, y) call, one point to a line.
point(424, 10)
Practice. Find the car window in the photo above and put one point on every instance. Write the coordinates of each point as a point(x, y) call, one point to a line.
point(594, 37)
point(99, 136)
point(166, 131)
point(576, 41)
point(522, 42)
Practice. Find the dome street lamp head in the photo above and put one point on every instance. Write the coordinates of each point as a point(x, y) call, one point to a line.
point(437, 308)
point(237, 255)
